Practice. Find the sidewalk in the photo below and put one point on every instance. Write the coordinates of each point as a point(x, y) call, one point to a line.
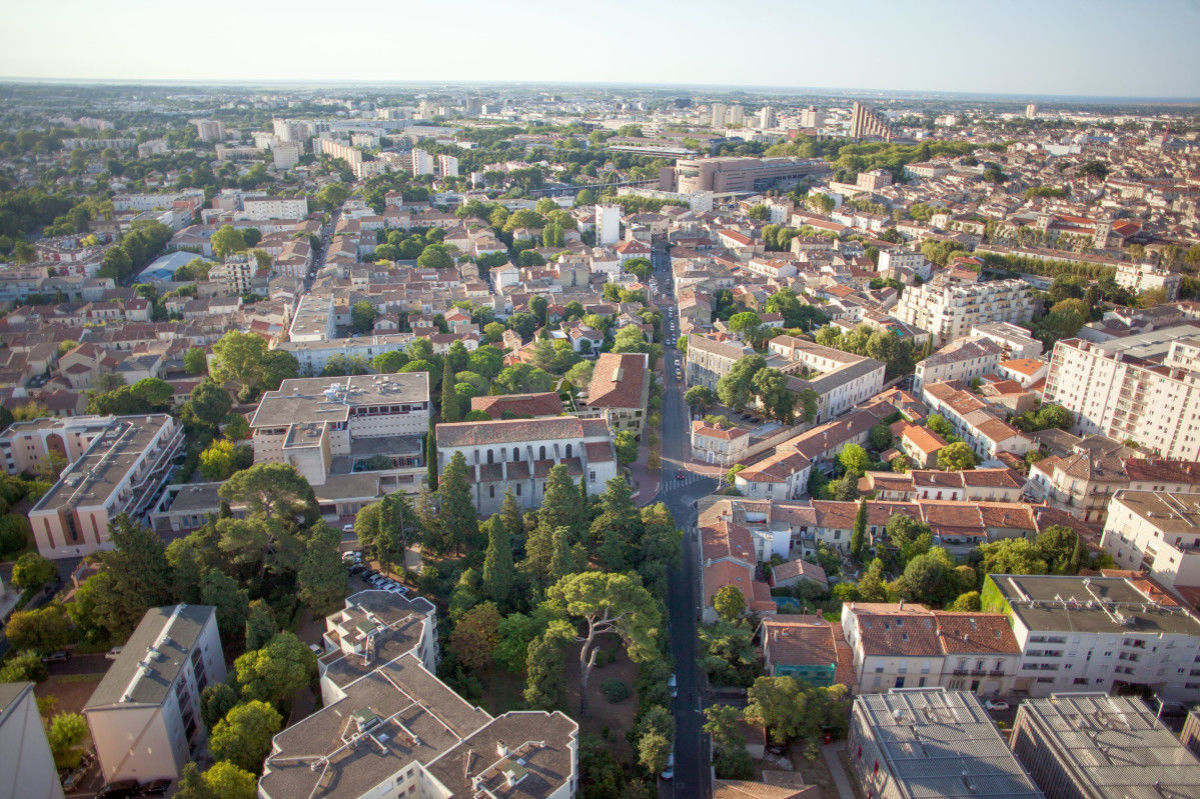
point(646, 481)
point(840, 779)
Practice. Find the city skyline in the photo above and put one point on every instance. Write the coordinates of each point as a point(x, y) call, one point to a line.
point(936, 48)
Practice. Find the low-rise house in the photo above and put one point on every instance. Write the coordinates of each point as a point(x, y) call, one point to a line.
point(808, 648)
point(620, 390)
point(920, 444)
point(793, 572)
point(990, 485)
point(717, 444)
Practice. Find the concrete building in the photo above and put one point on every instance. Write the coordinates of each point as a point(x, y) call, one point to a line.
point(390, 729)
point(144, 715)
point(122, 470)
point(355, 436)
point(1144, 388)
point(963, 359)
point(286, 155)
point(421, 162)
point(447, 166)
point(733, 175)
point(840, 379)
point(708, 360)
point(1093, 746)
point(236, 273)
point(1015, 340)
point(263, 208)
point(518, 454)
point(26, 764)
point(981, 425)
point(873, 180)
point(608, 225)
point(867, 123)
point(1157, 532)
point(949, 309)
point(1148, 277)
point(209, 129)
point(32, 445)
point(931, 744)
point(1098, 634)
point(620, 390)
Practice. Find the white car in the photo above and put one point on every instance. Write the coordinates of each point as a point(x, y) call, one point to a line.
point(317, 650)
point(995, 704)
point(347, 528)
point(673, 684)
point(669, 771)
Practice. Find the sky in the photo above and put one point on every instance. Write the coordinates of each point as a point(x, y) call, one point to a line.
point(1144, 48)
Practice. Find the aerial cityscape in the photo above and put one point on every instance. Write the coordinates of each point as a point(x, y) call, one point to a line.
point(812, 416)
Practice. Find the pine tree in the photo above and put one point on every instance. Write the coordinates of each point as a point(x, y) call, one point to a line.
point(858, 536)
point(451, 410)
point(560, 508)
point(514, 522)
point(456, 512)
point(498, 563)
point(431, 458)
point(618, 527)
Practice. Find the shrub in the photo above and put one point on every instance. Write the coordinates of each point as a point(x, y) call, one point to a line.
point(615, 690)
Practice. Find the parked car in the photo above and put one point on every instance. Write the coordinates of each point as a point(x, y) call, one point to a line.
point(114, 653)
point(673, 684)
point(154, 788)
point(61, 656)
point(995, 704)
point(347, 528)
point(669, 771)
point(118, 790)
point(317, 649)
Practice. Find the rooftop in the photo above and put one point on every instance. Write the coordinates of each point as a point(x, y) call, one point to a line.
point(1166, 511)
point(1091, 605)
point(330, 399)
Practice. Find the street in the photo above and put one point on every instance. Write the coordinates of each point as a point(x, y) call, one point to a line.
point(691, 752)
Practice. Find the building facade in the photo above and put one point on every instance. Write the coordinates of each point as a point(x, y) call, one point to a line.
point(949, 309)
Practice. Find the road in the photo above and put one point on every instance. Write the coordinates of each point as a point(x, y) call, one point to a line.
point(691, 750)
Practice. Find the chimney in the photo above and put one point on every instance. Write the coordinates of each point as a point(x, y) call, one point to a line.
point(901, 604)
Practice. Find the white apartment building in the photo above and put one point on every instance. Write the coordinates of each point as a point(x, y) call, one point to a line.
point(964, 359)
point(28, 446)
point(359, 434)
point(518, 454)
point(1146, 277)
point(122, 470)
point(948, 309)
point(1098, 634)
point(286, 154)
point(209, 129)
point(263, 208)
point(841, 379)
point(1157, 532)
point(25, 759)
point(608, 225)
point(1144, 388)
point(447, 166)
point(151, 202)
point(421, 162)
point(144, 715)
point(314, 355)
point(339, 149)
point(894, 262)
point(980, 425)
point(390, 729)
point(314, 319)
point(236, 273)
point(1015, 340)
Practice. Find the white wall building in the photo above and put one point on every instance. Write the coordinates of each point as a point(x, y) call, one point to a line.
point(948, 309)
point(608, 225)
point(421, 162)
point(1158, 532)
point(25, 760)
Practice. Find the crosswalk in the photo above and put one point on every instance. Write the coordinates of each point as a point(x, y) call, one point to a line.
point(689, 478)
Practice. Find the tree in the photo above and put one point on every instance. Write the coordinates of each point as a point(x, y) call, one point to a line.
point(216, 700)
point(967, 603)
point(778, 705)
point(956, 457)
point(451, 405)
point(608, 603)
point(701, 397)
point(244, 736)
point(475, 635)
point(498, 572)
point(195, 361)
point(389, 362)
point(435, 256)
point(626, 446)
point(729, 602)
point(931, 578)
point(880, 437)
point(745, 323)
point(545, 681)
point(276, 671)
point(260, 625)
point(618, 526)
point(771, 388)
point(731, 759)
point(457, 520)
point(25, 665)
point(322, 577)
point(362, 316)
point(227, 781)
point(232, 603)
point(44, 629)
point(227, 240)
point(222, 458)
point(560, 508)
point(653, 749)
point(639, 267)
point(274, 490)
point(33, 571)
point(242, 358)
point(66, 733)
point(733, 388)
point(208, 405)
point(858, 537)
point(854, 459)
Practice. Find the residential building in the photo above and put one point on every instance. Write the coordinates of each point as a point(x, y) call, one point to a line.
point(797, 572)
point(708, 360)
point(390, 729)
point(620, 390)
point(1157, 532)
point(867, 123)
point(519, 406)
point(809, 648)
point(839, 379)
point(286, 155)
point(145, 715)
point(964, 359)
point(209, 129)
point(122, 470)
point(1139, 278)
point(919, 444)
point(518, 454)
point(909, 646)
point(31, 446)
point(352, 438)
point(727, 175)
point(236, 273)
point(948, 309)
point(1098, 634)
point(1094, 746)
point(421, 162)
point(934, 744)
point(895, 263)
point(26, 763)
point(608, 225)
point(1143, 388)
point(981, 425)
point(713, 444)
point(447, 166)
point(260, 209)
point(873, 180)
point(315, 354)
point(729, 555)
point(1015, 340)
point(984, 485)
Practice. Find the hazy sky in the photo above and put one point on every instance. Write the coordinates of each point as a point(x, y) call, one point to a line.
point(1093, 47)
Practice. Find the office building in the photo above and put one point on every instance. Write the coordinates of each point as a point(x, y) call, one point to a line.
point(390, 729)
point(867, 123)
point(931, 744)
point(122, 470)
point(1093, 746)
point(421, 162)
point(518, 454)
point(1098, 634)
point(447, 166)
point(1157, 532)
point(26, 764)
point(350, 437)
point(734, 175)
point(948, 309)
point(144, 715)
point(1143, 388)
point(608, 225)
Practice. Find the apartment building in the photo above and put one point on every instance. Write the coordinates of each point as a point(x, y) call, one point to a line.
point(620, 390)
point(930, 743)
point(985, 485)
point(263, 208)
point(518, 454)
point(1098, 634)
point(948, 309)
point(1157, 532)
point(731, 175)
point(421, 162)
point(1015, 340)
point(286, 155)
point(447, 166)
point(840, 379)
point(867, 123)
point(314, 319)
point(1149, 277)
point(236, 273)
point(390, 729)
point(25, 761)
point(718, 444)
point(1094, 746)
point(122, 470)
point(31, 445)
point(978, 423)
point(909, 646)
point(145, 716)
point(1143, 388)
point(209, 129)
point(708, 360)
point(964, 359)
point(314, 355)
point(352, 438)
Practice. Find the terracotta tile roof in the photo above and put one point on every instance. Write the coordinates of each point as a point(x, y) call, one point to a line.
point(745, 789)
point(923, 439)
point(599, 451)
point(544, 403)
point(618, 380)
point(1024, 366)
point(700, 428)
point(799, 568)
point(465, 434)
point(907, 632)
point(724, 539)
point(975, 633)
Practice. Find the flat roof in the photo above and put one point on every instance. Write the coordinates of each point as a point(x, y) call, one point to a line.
point(316, 400)
point(941, 744)
point(1090, 605)
point(1167, 511)
point(1113, 747)
point(1152, 345)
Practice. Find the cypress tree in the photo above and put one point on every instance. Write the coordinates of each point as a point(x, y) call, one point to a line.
point(456, 512)
point(451, 410)
point(498, 563)
point(431, 464)
point(858, 536)
point(514, 522)
point(561, 557)
point(560, 508)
